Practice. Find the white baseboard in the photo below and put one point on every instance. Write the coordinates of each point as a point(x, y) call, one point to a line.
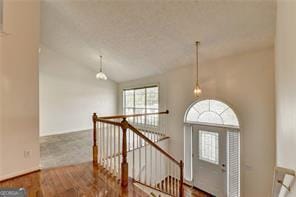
point(19, 173)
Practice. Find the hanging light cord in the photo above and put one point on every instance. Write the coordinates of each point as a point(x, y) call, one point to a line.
point(101, 63)
point(197, 43)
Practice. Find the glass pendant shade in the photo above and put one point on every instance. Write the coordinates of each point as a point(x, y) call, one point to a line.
point(100, 75)
point(197, 90)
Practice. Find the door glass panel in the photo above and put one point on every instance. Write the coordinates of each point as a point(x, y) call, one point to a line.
point(209, 146)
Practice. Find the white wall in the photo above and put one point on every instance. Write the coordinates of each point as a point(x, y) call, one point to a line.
point(19, 128)
point(70, 93)
point(246, 82)
point(285, 85)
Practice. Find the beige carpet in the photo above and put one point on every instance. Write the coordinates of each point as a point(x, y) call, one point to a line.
point(65, 149)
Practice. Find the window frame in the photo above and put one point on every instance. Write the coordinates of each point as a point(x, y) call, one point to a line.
point(223, 124)
point(145, 105)
point(203, 145)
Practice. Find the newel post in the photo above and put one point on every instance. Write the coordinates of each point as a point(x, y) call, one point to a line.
point(124, 164)
point(95, 147)
point(181, 189)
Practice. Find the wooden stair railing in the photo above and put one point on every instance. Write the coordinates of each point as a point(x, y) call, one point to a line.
point(131, 146)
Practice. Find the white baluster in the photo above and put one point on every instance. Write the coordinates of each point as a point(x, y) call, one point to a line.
point(160, 171)
point(114, 150)
point(103, 149)
point(177, 181)
point(133, 155)
point(166, 161)
point(151, 167)
point(145, 147)
point(129, 140)
point(176, 175)
point(99, 140)
point(140, 160)
point(157, 168)
point(119, 154)
point(175, 189)
point(108, 147)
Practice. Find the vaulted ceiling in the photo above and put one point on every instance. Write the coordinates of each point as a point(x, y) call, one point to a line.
point(146, 37)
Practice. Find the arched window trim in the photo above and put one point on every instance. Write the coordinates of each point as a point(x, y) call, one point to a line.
point(191, 106)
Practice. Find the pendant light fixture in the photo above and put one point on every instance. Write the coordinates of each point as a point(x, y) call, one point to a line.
point(100, 75)
point(197, 90)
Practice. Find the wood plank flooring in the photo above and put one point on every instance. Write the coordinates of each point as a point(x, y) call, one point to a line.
point(193, 192)
point(71, 181)
point(81, 180)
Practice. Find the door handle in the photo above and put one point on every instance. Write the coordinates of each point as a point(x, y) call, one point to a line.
point(223, 168)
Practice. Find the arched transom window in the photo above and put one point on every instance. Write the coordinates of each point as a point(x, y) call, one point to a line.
point(211, 112)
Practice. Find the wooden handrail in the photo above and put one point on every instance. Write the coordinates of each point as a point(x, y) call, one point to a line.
point(132, 115)
point(122, 123)
point(153, 144)
point(109, 122)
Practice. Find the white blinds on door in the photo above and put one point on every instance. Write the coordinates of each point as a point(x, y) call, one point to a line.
point(233, 161)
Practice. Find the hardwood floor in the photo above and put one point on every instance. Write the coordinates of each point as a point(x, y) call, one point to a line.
point(193, 192)
point(71, 181)
point(83, 180)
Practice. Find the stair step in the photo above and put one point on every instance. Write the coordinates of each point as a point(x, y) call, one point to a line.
point(150, 191)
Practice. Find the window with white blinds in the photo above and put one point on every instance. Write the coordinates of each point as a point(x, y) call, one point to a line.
point(140, 101)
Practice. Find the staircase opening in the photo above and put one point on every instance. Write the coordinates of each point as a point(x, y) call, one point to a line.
point(128, 149)
point(212, 148)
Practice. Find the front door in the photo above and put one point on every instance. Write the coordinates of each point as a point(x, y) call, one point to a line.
point(209, 159)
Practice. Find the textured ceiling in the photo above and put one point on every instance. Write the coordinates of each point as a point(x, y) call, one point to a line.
point(143, 38)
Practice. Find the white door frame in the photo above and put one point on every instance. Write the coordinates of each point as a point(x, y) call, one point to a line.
point(221, 167)
point(209, 127)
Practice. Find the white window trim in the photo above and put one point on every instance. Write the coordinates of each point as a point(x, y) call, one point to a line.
point(140, 87)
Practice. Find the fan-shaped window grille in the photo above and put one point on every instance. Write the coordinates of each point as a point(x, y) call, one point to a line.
point(212, 112)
